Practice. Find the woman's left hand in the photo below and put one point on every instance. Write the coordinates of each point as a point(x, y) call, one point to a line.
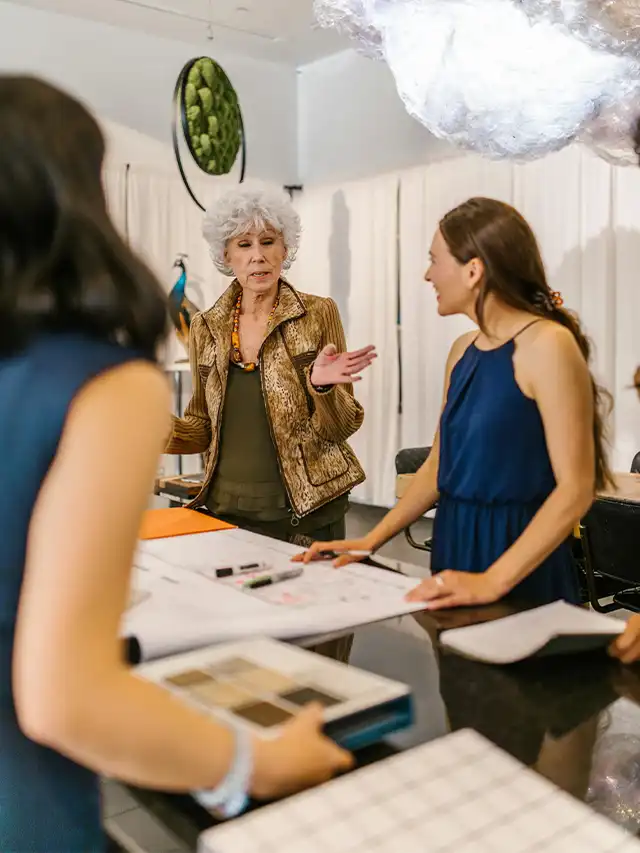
point(334, 368)
point(455, 589)
point(627, 646)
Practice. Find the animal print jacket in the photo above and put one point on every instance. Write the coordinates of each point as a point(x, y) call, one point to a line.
point(310, 429)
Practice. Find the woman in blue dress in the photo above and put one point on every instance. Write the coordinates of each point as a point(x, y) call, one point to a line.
point(84, 415)
point(519, 452)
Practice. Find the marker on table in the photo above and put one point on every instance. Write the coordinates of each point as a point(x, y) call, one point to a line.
point(230, 571)
point(333, 555)
point(276, 577)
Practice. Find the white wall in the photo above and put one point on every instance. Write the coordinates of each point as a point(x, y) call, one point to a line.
point(128, 77)
point(352, 123)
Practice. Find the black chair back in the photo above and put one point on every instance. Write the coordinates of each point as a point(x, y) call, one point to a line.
point(635, 465)
point(611, 539)
point(410, 459)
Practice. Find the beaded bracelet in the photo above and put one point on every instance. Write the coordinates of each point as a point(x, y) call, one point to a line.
point(231, 796)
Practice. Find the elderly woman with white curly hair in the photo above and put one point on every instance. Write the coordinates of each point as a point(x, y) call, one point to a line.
point(272, 405)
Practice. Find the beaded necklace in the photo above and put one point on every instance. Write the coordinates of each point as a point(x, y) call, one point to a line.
point(236, 355)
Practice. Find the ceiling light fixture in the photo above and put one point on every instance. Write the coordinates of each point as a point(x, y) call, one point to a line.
point(508, 78)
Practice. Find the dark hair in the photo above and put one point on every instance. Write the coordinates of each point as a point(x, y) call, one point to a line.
point(514, 271)
point(63, 264)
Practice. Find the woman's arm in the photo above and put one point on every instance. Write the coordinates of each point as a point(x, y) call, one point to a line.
point(72, 689)
point(337, 414)
point(554, 373)
point(419, 498)
point(192, 432)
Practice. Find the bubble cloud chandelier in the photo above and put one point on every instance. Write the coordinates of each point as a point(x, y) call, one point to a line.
point(510, 79)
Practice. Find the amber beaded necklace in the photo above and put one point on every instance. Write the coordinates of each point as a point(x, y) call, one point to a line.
point(236, 355)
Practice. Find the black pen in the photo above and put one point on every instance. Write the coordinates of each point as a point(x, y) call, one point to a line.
point(332, 555)
point(229, 571)
point(276, 577)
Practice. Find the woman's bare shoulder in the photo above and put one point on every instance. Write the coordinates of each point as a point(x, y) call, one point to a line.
point(126, 391)
point(548, 340)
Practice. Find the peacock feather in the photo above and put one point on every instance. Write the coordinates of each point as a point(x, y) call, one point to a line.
point(181, 308)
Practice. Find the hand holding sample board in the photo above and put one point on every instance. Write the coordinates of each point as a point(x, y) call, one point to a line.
point(553, 629)
point(261, 684)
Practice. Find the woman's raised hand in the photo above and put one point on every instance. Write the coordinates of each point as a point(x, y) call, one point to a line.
point(334, 368)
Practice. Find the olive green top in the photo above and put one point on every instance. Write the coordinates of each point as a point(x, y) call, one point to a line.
point(247, 483)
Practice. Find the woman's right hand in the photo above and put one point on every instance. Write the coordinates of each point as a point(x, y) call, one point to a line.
point(348, 551)
point(301, 757)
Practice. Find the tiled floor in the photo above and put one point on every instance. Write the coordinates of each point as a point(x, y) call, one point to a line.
point(136, 831)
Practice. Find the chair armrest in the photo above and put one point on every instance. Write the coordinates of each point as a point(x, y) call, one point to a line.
point(403, 481)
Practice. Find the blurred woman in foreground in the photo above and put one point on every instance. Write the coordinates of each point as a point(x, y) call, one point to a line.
point(84, 412)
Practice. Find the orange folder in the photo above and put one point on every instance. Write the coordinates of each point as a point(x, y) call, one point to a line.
point(178, 521)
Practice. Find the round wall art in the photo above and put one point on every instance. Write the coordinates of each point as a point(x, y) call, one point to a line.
point(208, 120)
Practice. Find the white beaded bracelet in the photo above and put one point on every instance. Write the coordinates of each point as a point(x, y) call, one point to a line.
point(231, 796)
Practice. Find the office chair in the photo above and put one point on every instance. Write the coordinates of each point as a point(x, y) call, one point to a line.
point(635, 465)
point(408, 461)
point(610, 536)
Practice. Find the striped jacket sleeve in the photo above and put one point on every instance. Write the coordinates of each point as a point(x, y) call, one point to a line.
point(192, 432)
point(337, 414)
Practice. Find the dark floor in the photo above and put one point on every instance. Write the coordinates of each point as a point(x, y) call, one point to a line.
point(361, 519)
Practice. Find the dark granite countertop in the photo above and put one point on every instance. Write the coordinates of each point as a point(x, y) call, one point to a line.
point(575, 718)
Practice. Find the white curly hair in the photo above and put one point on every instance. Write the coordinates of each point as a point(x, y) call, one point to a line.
point(244, 208)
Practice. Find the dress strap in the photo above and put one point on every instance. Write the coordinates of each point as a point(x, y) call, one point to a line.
point(524, 329)
point(511, 339)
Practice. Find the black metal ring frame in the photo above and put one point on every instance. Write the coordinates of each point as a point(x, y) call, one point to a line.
point(179, 107)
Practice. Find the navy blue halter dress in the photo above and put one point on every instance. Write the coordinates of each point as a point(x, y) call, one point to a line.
point(494, 475)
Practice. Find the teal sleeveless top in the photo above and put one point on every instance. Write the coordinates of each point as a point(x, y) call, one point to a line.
point(48, 804)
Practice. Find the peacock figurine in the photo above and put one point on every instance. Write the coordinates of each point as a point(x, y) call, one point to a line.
point(181, 308)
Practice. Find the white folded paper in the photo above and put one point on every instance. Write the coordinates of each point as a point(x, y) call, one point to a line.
point(552, 629)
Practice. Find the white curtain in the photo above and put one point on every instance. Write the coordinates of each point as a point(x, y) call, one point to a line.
point(626, 311)
point(426, 194)
point(320, 262)
point(164, 222)
point(349, 252)
point(586, 216)
point(366, 245)
point(114, 181)
point(371, 318)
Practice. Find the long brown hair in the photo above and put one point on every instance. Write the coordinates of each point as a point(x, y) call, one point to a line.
point(502, 239)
